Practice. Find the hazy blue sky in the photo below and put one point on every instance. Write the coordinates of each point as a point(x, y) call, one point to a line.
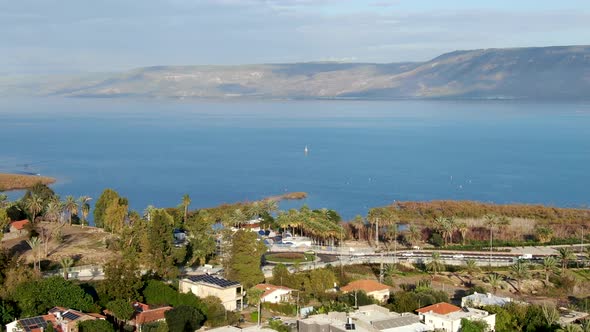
point(49, 36)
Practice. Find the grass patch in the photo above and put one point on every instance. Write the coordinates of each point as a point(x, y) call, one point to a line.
point(289, 257)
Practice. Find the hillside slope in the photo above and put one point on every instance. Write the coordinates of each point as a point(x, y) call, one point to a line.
point(546, 72)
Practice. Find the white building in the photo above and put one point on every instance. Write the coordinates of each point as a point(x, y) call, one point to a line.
point(231, 293)
point(274, 294)
point(371, 318)
point(480, 300)
point(447, 317)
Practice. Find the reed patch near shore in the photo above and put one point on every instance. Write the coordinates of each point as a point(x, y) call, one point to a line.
point(21, 181)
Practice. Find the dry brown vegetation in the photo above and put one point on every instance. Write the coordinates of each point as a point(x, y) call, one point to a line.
point(86, 245)
point(427, 211)
point(21, 181)
point(289, 196)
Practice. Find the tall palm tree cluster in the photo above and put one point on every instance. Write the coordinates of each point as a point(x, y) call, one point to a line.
point(319, 225)
point(238, 215)
point(56, 210)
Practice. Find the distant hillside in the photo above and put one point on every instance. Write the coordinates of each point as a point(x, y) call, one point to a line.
point(519, 73)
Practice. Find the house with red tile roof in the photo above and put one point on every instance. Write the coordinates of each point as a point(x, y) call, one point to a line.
point(145, 314)
point(447, 317)
point(62, 320)
point(373, 288)
point(18, 227)
point(274, 294)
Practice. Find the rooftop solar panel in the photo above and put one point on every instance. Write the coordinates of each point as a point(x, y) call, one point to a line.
point(213, 280)
point(70, 316)
point(32, 323)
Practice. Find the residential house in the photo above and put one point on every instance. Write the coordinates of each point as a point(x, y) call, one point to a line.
point(447, 317)
point(373, 288)
point(231, 293)
point(274, 294)
point(18, 227)
point(371, 318)
point(62, 319)
point(477, 300)
point(144, 314)
point(67, 319)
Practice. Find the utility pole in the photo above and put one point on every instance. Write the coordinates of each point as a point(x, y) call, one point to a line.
point(341, 254)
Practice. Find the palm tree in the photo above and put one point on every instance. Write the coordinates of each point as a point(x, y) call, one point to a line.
point(586, 325)
point(436, 264)
point(519, 272)
point(34, 205)
point(439, 226)
point(186, 201)
point(495, 280)
point(53, 210)
point(565, 256)
point(34, 245)
point(71, 207)
point(414, 234)
point(462, 228)
point(84, 207)
point(66, 263)
point(471, 267)
point(549, 264)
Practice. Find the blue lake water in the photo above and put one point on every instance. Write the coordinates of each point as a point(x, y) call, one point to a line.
point(361, 153)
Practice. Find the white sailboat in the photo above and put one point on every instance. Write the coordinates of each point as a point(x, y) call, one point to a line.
point(306, 150)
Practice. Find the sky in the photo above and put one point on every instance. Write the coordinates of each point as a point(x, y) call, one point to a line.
point(75, 36)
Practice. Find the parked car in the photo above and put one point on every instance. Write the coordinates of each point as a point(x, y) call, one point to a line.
point(408, 254)
point(526, 256)
point(458, 256)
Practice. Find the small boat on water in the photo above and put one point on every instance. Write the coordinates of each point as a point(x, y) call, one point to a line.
point(306, 150)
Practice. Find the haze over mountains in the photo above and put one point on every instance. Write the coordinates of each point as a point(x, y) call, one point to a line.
point(519, 73)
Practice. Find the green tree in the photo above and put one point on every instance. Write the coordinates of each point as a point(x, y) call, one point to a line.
point(281, 275)
point(122, 279)
point(184, 319)
point(4, 221)
point(244, 262)
point(550, 314)
point(201, 237)
point(215, 312)
point(473, 325)
point(98, 325)
point(157, 244)
point(319, 281)
point(122, 310)
point(114, 215)
point(36, 297)
point(107, 196)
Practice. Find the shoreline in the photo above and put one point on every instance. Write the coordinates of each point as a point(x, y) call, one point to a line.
point(10, 181)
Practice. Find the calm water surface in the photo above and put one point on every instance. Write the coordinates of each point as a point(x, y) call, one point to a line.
point(361, 154)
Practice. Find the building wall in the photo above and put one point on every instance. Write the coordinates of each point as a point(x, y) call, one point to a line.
point(228, 296)
point(381, 295)
point(279, 295)
point(449, 325)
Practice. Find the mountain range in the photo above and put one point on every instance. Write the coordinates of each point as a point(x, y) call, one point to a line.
point(561, 72)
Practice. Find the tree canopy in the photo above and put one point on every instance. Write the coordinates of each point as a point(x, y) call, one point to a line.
point(244, 262)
